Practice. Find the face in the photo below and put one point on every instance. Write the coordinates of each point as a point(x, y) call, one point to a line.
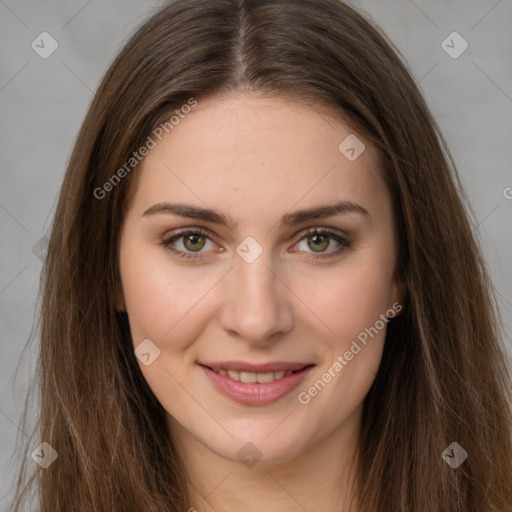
point(257, 263)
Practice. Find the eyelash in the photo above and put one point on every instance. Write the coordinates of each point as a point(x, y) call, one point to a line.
point(344, 243)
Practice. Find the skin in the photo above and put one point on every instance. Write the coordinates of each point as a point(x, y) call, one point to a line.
point(256, 159)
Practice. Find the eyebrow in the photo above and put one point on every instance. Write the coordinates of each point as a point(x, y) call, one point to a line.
point(289, 219)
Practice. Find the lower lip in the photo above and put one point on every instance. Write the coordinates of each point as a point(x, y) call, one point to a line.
point(256, 393)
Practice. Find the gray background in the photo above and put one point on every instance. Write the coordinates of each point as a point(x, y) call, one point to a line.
point(43, 102)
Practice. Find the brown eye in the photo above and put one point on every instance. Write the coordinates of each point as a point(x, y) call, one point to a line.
point(189, 244)
point(194, 242)
point(322, 243)
point(318, 242)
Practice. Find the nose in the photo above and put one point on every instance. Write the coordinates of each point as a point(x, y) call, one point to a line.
point(256, 302)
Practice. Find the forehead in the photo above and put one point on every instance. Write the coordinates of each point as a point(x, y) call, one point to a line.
point(256, 154)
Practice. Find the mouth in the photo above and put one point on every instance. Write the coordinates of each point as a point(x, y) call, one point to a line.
point(252, 377)
point(250, 384)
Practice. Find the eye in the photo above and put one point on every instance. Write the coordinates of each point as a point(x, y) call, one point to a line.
point(188, 243)
point(319, 240)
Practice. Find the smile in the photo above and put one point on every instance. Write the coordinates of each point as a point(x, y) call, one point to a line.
point(256, 388)
point(249, 377)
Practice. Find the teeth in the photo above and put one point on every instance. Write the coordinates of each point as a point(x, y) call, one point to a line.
point(234, 375)
point(264, 377)
point(250, 377)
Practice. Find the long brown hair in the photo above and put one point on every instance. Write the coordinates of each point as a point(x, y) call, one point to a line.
point(443, 377)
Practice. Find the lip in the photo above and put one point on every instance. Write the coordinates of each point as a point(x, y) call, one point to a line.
point(255, 393)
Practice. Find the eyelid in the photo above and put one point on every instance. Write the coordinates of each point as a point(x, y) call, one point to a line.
point(191, 230)
point(322, 230)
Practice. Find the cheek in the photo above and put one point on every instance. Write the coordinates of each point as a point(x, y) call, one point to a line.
point(166, 305)
point(353, 343)
point(349, 300)
point(160, 296)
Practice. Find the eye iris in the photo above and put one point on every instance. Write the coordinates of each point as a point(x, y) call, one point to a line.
point(193, 239)
point(320, 242)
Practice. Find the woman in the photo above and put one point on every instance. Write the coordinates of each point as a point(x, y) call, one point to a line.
point(261, 288)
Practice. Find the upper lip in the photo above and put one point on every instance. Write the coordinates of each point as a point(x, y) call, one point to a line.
point(241, 366)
